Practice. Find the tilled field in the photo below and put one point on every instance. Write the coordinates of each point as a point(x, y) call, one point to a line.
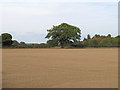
point(60, 68)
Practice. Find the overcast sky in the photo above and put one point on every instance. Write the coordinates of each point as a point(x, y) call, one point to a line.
point(28, 20)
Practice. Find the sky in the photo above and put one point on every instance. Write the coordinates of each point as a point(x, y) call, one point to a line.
point(28, 20)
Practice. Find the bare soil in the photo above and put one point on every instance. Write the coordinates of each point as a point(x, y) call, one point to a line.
point(60, 68)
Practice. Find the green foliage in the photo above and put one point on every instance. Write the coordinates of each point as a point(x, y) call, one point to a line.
point(22, 43)
point(77, 45)
point(106, 42)
point(88, 36)
point(6, 39)
point(0, 41)
point(94, 43)
point(97, 36)
point(109, 35)
point(102, 41)
point(15, 43)
point(52, 43)
point(64, 33)
point(43, 45)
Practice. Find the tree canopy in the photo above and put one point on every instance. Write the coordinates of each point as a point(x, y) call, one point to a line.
point(64, 33)
point(6, 39)
point(102, 41)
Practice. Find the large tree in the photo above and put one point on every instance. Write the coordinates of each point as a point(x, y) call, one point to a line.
point(64, 33)
point(6, 39)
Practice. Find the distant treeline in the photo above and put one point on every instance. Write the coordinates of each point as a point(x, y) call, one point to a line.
point(101, 41)
point(64, 36)
point(95, 41)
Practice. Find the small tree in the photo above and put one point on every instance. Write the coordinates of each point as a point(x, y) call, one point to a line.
point(64, 33)
point(15, 43)
point(109, 35)
point(22, 43)
point(96, 36)
point(6, 39)
point(88, 36)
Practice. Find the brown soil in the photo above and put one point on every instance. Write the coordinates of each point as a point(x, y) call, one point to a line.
point(60, 68)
